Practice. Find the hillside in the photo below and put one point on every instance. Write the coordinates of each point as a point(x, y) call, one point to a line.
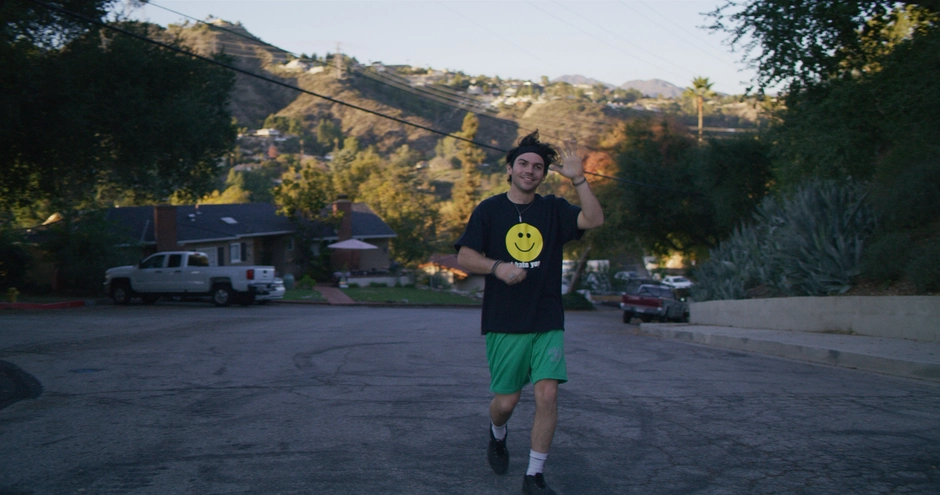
point(507, 109)
point(253, 100)
point(579, 79)
point(654, 87)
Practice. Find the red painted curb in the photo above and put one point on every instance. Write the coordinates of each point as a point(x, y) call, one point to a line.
point(57, 305)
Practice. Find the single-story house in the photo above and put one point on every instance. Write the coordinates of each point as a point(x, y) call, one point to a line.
point(253, 234)
point(446, 267)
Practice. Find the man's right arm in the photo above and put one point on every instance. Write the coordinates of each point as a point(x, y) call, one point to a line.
point(475, 262)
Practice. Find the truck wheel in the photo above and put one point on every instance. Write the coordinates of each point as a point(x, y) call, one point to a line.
point(627, 316)
point(222, 295)
point(121, 293)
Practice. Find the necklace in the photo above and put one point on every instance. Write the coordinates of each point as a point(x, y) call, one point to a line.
point(517, 207)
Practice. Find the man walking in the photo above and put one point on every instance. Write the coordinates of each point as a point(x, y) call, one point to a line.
point(517, 239)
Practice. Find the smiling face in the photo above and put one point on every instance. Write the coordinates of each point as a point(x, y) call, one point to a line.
point(526, 172)
point(524, 242)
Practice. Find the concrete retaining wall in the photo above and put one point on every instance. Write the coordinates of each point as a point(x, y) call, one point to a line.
point(903, 317)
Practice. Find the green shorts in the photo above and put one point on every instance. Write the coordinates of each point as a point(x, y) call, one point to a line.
point(517, 359)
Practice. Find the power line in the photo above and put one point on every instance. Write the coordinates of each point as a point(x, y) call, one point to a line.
point(523, 50)
point(454, 100)
point(698, 47)
point(608, 43)
point(145, 39)
point(674, 23)
point(257, 76)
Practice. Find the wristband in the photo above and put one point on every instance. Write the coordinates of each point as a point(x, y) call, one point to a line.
point(576, 184)
point(493, 270)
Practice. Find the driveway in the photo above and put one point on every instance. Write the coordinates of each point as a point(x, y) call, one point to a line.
point(189, 398)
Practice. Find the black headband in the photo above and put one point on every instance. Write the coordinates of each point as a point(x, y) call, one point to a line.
point(521, 150)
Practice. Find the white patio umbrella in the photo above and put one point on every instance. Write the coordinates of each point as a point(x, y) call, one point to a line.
point(351, 244)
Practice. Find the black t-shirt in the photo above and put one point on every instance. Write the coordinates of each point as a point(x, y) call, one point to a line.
point(535, 244)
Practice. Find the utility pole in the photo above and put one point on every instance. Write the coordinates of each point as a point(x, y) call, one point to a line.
point(338, 62)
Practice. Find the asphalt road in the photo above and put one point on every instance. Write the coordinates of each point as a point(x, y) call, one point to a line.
point(189, 398)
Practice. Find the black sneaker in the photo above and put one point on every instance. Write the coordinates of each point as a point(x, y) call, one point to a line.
point(535, 485)
point(497, 453)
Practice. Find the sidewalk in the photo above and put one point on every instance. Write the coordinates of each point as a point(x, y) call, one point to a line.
point(907, 358)
point(334, 295)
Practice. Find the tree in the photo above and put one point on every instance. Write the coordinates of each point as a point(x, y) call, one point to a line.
point(800, 43)
point(303, 192)
point(701, 89)
point(84, 111)
point(349, 170)
point(234, 191)
point(681, 197)
point(465, 194)
point(302, 196)
point(396, 194)
point(328, 134)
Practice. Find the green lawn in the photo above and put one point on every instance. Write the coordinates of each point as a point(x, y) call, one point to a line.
point(407, 295)
point(303, 295)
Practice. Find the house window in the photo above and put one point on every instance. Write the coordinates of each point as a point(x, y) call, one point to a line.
point(238, 252)
point(290, 243)
point(235, 252)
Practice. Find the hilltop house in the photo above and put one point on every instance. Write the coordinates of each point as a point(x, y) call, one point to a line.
point(253, 234)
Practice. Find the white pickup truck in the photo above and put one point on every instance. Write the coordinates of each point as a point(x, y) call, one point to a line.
point(187, 274)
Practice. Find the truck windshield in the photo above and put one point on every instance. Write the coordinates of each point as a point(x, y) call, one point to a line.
point(198, 260)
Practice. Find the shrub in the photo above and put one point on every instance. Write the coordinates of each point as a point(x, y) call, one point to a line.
point(576, 301)
point(809, 244)
point(15, 260)
point(307, 282)
point(84, 246)
point(886, 259)
point(924, 269)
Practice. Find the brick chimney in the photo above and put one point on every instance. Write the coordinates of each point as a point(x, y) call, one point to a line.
point(342, 204)
point(164, 227)
point(344, 259)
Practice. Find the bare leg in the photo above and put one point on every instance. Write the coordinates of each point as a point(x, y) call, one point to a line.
point(501, 407)
point(546, 415)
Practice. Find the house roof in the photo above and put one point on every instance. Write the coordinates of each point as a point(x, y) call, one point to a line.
point(210, 223)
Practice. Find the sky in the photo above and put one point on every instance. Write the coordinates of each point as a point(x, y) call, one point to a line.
point(611, 41)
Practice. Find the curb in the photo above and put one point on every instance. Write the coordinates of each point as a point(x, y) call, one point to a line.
point(820, 354)
point(382, 304)
point(55, 305)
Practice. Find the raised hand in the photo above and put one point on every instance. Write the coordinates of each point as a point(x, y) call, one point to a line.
point(570, 165)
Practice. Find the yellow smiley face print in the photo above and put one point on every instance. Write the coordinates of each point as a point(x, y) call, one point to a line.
point(524, 242)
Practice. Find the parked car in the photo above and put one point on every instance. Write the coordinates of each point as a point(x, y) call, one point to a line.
point(187, 274)
point(677, 282)
point(651, 302)
point(275, 292)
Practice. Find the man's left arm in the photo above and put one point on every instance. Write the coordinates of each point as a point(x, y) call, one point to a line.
point(571, 166)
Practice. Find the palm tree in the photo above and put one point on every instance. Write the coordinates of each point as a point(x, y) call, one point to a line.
point(701, 89)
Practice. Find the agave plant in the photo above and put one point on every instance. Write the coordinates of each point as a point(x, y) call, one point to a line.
point(809, 244)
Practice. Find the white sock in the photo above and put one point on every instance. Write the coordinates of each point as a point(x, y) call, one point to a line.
point(536, 461)
point(498, 431)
